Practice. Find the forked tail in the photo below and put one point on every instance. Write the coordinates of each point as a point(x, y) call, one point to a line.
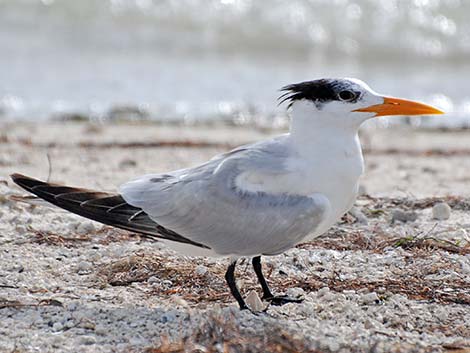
point(106, 208)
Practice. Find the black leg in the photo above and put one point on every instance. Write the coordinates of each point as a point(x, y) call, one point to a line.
point(256, 261)
point(230, 278)
point(267, 294)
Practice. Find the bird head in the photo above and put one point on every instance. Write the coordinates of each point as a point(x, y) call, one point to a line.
point(347, 101)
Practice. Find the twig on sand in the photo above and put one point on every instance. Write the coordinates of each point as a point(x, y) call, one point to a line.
point(6, 303)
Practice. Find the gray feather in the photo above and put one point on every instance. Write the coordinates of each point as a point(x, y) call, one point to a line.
point(205, 205)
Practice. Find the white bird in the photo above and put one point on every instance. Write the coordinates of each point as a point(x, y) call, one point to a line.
point(258, 199)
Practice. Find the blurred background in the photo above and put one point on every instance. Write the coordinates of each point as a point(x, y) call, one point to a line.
point(224, 60)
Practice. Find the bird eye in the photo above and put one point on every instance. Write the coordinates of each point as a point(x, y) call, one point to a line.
point(346, 95)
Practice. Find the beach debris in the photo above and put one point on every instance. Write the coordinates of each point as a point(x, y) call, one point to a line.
point(322, 291)
point(84, 267)
point(127, 113)
point(403, 216)
point(152, 280)
point(71, 116)
point(429, 170)
point(465, 267)
point(57, 326)
point(295, 292)
point(127, 162)
point(201, 270)
point(178, 300)
point(167, 283)
point(358, 215)
point(93, 128)
point(461, 235)
point(370, 298)
point(85, 228)
point(254, 302)
point(441, 211)
point(88, 340)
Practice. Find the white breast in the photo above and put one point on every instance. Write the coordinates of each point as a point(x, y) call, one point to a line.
point(332, 170)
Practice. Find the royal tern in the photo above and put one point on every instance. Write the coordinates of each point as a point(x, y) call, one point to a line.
point(258, 199)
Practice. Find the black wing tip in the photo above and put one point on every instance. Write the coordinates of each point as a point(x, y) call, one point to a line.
point(25, 181)
point(17, 176)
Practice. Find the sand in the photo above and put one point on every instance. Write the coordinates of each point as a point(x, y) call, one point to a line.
point(388, 277)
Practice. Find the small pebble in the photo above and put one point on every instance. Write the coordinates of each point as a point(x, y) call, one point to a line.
point(167, 282)
point(334, 346)
point(20, 228)
point(429, 170)
point(461, 235)
point(322, 291)
point(398, 298)
point(168, 317)
point(69, 324)
point(84, 268)
point(368, 324)
point(295, 292)
point(404, 216)
point(254, 302)
point(330, 296)
point(359, 215)
point(127, 163)
point(73, 306)
point(87, 324)
point(101, 330)
point(349, 291)
point(307, 310)
point(441, 211)
point(57, 327)
point(93, 129)
point(465, 264)
point(381, 290)
point(201, 270)
point(153, 280)
point(88, 340)
point(370, 298)
point(85, 228)
point(179, 301)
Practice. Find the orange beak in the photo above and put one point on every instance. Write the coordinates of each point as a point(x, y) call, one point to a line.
point(397, 106)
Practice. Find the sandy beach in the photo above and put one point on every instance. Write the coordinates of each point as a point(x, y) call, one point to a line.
point(389, 277)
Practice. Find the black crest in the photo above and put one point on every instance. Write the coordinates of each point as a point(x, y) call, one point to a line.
point(319, 91)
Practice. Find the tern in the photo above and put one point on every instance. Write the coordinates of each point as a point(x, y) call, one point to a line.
point(257, 200)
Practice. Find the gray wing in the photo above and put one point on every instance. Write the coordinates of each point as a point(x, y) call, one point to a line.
point(205, 204)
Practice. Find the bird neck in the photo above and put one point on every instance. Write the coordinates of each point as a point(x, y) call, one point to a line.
point(329, 156)
point(325, 131)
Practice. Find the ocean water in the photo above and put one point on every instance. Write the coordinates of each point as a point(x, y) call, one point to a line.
point(210, 60)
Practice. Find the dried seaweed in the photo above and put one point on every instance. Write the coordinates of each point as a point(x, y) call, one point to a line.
point(455, 202)
point(50, 238)
point(413, 286)
point(217, 334)
point(180, 274)
point(104, 235)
